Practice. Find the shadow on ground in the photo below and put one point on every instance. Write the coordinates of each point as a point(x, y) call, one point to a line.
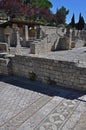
point(50, 90)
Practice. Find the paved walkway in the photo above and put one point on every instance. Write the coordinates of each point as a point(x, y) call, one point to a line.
point(76, 55)
point(26, 105)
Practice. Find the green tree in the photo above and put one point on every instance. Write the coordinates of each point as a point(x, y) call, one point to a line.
point(81, 22)
point(61, 15)
point(42, 3)
point(41, 8)
point(73, 21)
point(13, 9)
point(39, 3)
point(27, 2)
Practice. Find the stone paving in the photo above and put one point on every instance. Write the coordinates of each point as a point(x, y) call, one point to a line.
point(26, 105)
point(76, 54)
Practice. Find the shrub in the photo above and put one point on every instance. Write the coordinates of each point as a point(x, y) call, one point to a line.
point(32, 75)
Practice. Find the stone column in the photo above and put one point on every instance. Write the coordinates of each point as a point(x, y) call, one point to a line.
point(7, 36)
point(18, 47)
point(26, 33)
point(70, 36)
point(38, 32)
point(78, 33)
point(35, 28)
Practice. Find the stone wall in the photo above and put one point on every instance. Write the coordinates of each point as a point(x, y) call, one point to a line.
point(3, 47)
point(64, 43)
point(63, 73)
point(5, 66)
point(2, 35)
point(38, 47)
point(53, 30)
point(83, 35)
point(48, 29)
point(8, 34)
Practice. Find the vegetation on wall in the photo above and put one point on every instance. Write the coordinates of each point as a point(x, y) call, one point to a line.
point(32, 75)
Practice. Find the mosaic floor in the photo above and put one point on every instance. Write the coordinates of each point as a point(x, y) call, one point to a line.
point(26, 105)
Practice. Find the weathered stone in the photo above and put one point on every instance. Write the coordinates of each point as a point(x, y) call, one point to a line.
point(18, 46)
point(64, 43)
point(3, 47)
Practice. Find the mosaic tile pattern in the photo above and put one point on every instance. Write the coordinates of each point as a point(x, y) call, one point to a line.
point(26, 105)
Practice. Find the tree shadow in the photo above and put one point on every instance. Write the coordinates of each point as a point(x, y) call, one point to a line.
point(50, 90)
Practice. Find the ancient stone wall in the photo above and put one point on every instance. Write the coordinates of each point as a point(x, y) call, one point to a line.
point(38, 47)
point(63, 73)
point(3, 47)
point(2, 35)
point(48, 29)
point(83, 35)
point(4, 66)
point(64, 43)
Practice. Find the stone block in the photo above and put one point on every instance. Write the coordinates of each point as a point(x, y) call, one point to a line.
point(64, 43)
point(3, 47)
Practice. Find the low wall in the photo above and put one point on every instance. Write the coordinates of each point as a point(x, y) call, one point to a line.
point(3, 47)
point(63, 73)
point(40, 47)
point(48, 29)
point(5, 67)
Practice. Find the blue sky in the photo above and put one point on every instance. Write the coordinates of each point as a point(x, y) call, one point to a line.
point(74, 6)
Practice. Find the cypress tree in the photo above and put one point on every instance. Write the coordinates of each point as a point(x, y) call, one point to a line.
point(73, 21)
point(81, 22)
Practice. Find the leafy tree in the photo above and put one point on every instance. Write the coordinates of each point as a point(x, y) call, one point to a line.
point(41, 3)
point(73, 21)
point(61, 15)
point(15, 8)
point(51, 18)
point(41, 8)
point(34, 10)
point(3, 15)
point(27, 2)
